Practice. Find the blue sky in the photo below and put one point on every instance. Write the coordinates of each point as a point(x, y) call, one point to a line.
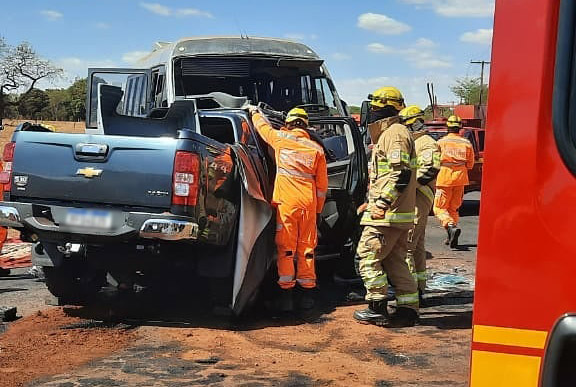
point(403, 43)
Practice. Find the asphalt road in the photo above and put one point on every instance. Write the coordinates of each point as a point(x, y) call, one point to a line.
point(178, 342)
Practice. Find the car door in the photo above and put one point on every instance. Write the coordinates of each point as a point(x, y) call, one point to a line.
point(347, 181)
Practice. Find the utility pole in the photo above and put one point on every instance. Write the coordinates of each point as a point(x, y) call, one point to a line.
point(482, 63)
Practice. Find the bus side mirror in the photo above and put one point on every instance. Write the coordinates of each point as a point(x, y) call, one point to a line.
point(364, 113)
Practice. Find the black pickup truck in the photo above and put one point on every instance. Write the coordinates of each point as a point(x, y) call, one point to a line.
point(178, 192)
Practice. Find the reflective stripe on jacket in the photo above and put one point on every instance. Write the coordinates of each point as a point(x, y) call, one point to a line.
point(301, 174)
point(393, 175)
point(428, 156)
point(457, 156)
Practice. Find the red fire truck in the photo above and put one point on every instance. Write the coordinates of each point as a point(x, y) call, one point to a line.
point(524, 333)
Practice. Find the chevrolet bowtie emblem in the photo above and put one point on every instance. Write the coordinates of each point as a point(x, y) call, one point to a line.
point(89, 172)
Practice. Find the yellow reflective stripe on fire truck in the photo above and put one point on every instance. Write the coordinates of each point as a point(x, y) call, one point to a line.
point(506, 369)
point(490, 369)
point(509, 336)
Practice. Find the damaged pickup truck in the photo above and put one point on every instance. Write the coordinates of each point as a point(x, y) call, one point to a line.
point(170, 180)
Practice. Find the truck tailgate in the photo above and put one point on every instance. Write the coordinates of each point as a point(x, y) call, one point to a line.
point(108, 170)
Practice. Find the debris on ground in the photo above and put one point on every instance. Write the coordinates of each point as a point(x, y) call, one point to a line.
point(7, 313)
point(446, 282)
point(15, 254)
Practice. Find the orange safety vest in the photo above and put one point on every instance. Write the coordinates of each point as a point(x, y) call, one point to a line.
point(301, 175)
point(457, 157)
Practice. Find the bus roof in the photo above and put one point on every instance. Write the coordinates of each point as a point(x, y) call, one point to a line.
point(228, 45)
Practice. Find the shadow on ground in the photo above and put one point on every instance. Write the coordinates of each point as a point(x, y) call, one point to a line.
point(470, 207)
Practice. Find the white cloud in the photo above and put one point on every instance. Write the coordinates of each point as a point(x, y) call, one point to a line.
point(300, 37)
point(134, 56)
point(340, 56)
point(73, 68)
point(162, 10)
point(424, 43)
point(355, 90)
point(102, 26)
point(378, 48)
point(480, 36)
point(420, 55)
point(158, 9)
point(51, 15)
point(192, 12)
point(457, 8)
point(382, 24)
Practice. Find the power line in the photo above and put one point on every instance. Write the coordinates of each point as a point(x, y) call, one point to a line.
point(482, 63)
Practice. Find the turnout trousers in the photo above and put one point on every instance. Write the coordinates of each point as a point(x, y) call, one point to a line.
point(296, 239)
point(416, 241)
point(447, 201)
point(382, 253)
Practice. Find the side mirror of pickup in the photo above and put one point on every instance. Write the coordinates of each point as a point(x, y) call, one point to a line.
point(364, 113)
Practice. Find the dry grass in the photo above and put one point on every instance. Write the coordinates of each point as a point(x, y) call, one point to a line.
point(61, 127)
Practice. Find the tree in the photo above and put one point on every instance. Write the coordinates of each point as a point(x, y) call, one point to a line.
point(59, 105)
point(468, 91)
point(33, 103)
point(77, 100)
point(20, 70)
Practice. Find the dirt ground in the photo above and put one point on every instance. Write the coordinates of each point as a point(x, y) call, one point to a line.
point(143, 341)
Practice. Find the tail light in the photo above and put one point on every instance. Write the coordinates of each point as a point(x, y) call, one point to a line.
point(185, 180)
point(6, 173)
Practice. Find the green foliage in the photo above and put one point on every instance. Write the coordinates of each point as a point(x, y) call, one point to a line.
point(468, 91)
point(49, 105)
point(20, 70)
point(33, 103)
point(77, 100)
point(354, 109)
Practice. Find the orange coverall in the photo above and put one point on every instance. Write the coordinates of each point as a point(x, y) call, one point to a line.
point(457, 157)
point(299, 194)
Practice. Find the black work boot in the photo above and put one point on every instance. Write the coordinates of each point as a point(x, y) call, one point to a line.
point(454, 234)
point(376, 313)
point(403, 317)
point(306, 298)
point(448, 235)
point(285, 302)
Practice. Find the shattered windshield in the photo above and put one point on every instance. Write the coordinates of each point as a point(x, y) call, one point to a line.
point(280, 84)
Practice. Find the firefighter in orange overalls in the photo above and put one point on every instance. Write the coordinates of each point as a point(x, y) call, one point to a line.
point(299, 194)
point(457, 157)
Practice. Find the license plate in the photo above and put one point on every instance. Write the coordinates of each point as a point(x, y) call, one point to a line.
point(99, 219)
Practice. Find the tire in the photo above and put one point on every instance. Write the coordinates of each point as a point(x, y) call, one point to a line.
point(73, 283)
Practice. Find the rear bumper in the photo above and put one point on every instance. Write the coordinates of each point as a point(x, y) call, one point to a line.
point(125, 225)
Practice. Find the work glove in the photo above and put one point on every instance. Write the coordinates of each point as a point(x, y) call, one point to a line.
point(377, 213)
point(361, 208)
point(379, 210)
point(253, 109)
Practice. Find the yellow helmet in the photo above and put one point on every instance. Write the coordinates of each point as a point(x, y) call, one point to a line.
point(410, 114)
point(297, 114)
point(47, 126)
point(454, 122)
point(387, 96)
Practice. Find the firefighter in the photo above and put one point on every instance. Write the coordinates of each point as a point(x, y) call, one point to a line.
point(428, 166)
point(299, 195)
point(457, 157)
point(389, 216)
